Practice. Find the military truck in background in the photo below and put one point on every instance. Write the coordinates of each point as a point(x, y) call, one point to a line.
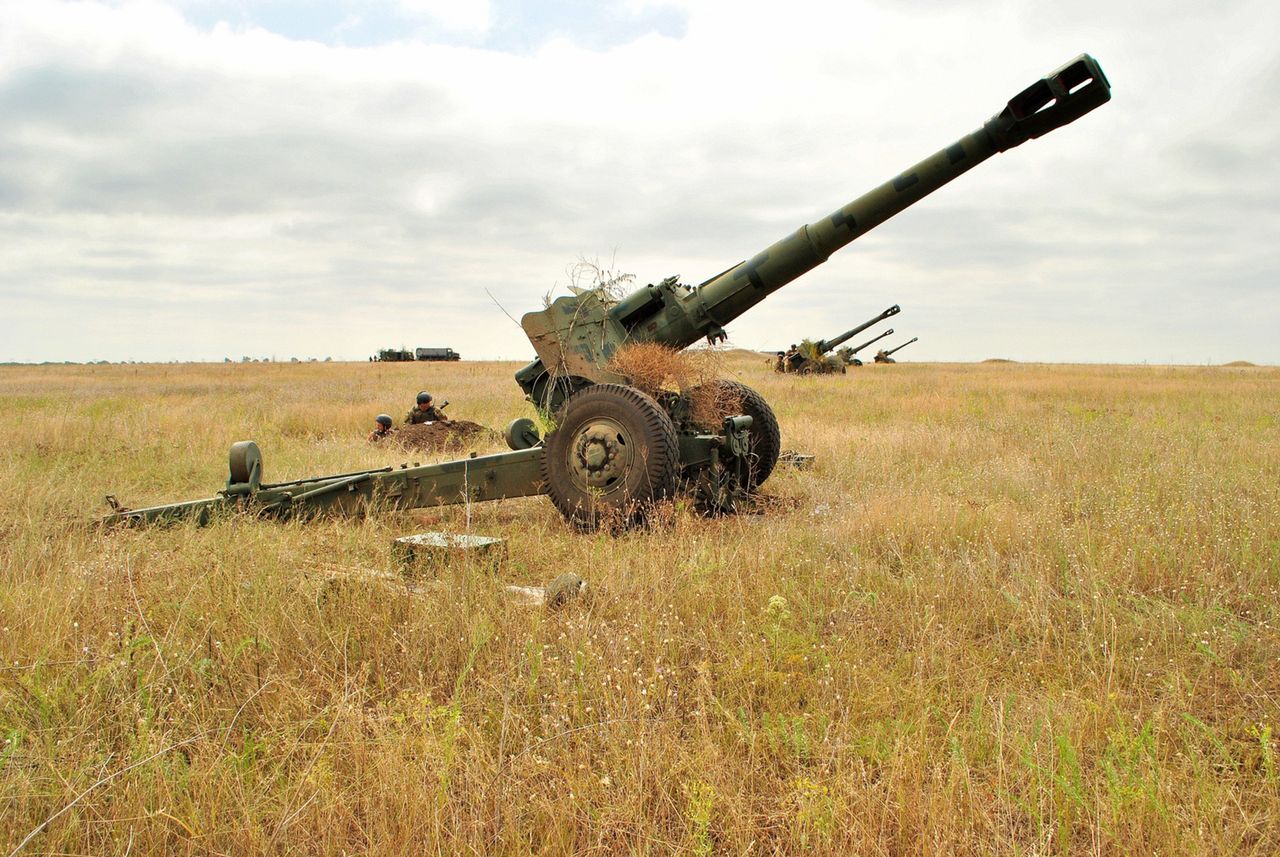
point(393, 355)
point(437, 354)
point(404, 355)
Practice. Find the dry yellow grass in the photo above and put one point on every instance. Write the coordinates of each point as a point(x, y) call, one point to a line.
point(654, 368)
point(1017, 609)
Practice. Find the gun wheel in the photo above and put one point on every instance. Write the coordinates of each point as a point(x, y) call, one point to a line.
point(613, 454)
point(732, 399)
point(245, 455)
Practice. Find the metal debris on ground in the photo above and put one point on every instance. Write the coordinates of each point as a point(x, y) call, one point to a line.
point(527, 596)
point(424, 553)
point(798, 460)
point(556, 594)
point(564, 589)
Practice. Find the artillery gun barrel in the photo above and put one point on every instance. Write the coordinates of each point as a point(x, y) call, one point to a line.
point(1059, 98)
point(826, 345)
point(888, 332)
point(902, 346)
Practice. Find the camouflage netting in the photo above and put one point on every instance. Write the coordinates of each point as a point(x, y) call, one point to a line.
point(453, 435)
point(653, 368)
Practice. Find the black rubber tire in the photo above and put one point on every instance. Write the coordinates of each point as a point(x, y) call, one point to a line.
point(766, 437)
point(655, 450)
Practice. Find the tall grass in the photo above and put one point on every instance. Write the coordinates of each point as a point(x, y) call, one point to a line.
point(1014, 609)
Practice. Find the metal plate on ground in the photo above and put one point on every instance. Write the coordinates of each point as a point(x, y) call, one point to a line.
point(424, 553)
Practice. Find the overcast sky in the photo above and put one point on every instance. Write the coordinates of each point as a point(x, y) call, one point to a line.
point(210, 178)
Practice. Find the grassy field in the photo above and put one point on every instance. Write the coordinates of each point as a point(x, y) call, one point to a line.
point(1014, 609)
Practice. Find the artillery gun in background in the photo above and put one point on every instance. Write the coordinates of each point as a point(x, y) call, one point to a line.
point(883, 356)
point(614, 448)
point(813, 358)
point(848, 355)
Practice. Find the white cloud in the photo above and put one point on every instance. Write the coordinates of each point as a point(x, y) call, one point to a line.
point(465, 15)
point(166, 178)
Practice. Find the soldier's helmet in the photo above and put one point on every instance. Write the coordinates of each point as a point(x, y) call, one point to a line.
point(424, 397)
point(383, 420)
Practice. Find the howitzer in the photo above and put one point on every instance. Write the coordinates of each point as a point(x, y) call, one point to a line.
point(614, 448)
point(883, 356)
point(892, 351)
point(849, 355)
point(810, 357)
point(824, 346)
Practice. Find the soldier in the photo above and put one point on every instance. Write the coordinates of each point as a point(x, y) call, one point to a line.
point(425, 411)
point(381, 428)
point(792, 358)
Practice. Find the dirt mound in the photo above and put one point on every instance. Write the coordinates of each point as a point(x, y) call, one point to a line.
point(432, 437)
point(1239, 363)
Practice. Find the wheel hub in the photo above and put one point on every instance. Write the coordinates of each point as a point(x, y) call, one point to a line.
point(601, 455)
